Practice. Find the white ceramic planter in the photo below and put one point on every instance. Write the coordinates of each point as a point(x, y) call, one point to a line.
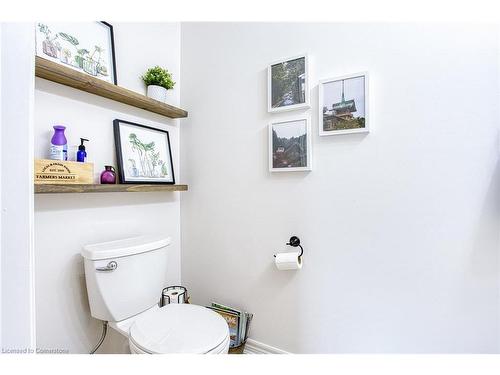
point(158, 93)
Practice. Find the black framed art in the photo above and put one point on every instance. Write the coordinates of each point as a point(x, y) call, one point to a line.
point(88, 47)
point(143, 154)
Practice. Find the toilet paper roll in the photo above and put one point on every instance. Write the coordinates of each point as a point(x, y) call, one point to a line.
point(288, 261)
point(175, 295)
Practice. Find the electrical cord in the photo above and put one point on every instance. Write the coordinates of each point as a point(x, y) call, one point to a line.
point(103, 335)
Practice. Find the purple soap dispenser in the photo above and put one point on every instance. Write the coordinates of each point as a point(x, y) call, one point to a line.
point(108, 175)
point(58, 144)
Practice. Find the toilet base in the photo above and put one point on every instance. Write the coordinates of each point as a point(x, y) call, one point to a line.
point(221, 349)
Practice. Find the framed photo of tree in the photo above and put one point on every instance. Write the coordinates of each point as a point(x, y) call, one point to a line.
point(88, 47)
point(288, 84)
point(143, 154)
point(290, 145)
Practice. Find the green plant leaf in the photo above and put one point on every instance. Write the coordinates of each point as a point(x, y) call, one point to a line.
point(159, 77)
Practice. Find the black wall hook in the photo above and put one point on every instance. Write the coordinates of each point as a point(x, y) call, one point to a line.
point(294, 241)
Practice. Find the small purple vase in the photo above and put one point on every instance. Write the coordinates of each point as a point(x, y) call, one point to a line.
point(108, 176)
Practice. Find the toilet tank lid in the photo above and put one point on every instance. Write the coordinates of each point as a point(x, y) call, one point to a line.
point(125, 247)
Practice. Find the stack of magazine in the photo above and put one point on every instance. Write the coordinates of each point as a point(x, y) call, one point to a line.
point(238, 322)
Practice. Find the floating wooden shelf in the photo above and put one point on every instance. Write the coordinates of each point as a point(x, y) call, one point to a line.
point(98, 188)
point(67, 76)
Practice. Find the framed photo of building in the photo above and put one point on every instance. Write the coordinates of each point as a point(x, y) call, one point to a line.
point(87, 47)
point(343, 105)
point(143, 154)
point(290, 145)
point(288, 84)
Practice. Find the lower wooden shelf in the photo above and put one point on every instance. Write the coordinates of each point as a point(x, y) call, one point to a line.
point(98, 188)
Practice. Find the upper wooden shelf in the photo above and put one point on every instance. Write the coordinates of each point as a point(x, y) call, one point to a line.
point(104, 188)
point(66, 76)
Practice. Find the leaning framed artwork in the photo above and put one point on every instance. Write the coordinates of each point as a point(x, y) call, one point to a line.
point(87, 47)
point(288, 84)
point(343, 105)
point(290, 145)
point(143, 154)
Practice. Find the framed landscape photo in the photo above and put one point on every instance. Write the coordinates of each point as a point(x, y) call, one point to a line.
point(288, 84)
point(290, 145)
point(88, 47)
point(143, 154)
point(343, 105)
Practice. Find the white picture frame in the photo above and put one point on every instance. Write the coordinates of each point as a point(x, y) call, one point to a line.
point(332, 93)
point(303, 92)
point(291, 128)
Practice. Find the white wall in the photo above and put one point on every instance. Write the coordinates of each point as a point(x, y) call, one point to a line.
point(17, 257)
point(64, 223)
point(498, 114)
point(400, 227)
point(0, 188)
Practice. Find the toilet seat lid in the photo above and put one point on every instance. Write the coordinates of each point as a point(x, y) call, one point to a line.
point(179, 328)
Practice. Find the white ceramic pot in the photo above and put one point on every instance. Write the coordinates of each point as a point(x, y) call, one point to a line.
point(158, 93)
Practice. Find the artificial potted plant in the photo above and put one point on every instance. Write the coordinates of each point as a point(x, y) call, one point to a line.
point(158, 81)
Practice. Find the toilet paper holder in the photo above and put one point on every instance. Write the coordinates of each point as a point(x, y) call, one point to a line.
point(180, 294)
point(294, 241)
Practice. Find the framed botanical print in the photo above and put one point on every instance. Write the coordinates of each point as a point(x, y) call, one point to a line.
point(288, 84)
point(343, 105)
point(88, 47)
point(290, 145)
point(143, 154)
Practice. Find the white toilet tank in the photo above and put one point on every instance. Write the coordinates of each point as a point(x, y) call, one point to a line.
point(125, 277)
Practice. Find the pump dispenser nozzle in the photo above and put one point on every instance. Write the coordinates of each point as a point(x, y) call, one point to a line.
point(82, 146)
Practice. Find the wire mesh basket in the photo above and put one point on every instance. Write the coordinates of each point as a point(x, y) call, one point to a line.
point(174, 294)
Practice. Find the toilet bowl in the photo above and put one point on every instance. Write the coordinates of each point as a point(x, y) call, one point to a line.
point(124, 282)
point(175, 328)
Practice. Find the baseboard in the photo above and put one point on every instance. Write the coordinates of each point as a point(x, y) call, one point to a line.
point(256, 347)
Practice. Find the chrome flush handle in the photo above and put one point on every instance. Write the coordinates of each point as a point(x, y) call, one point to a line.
point(111, 266)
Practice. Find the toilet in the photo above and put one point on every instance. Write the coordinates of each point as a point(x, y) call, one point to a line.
point(124, 283)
